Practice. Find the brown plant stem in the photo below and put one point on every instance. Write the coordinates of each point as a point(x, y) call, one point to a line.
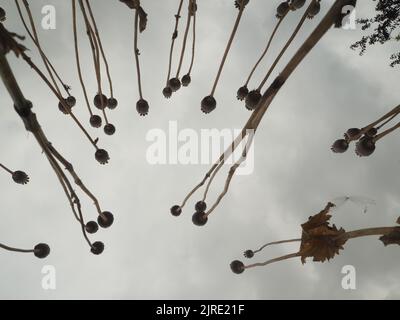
point(189, 19)
point(227, 49)
point(137, 53)
point(174, 36)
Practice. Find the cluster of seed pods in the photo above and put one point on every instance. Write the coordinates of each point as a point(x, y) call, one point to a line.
point(175, 83)
point(367, 137)
point(100, 100)
point(24, 109)
point(253, 97)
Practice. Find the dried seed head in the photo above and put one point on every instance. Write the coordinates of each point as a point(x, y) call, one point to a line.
point(297, 4)
point(340, 146)
point(97, 248)
point(241, 3)
point(201, 206)
point(71, 101)
point(208, 104)
point(64, 109)
point(176, 210)
point(109, 129)
point(174, 84)
point(249, 254)
point(2, 14)
point(102, 156)
point(199, 219)
point(314, 10)
point(142, 107)
point(95, 121)
point(167, 92)
point(237, 267)
point(365, 147)
point(112, 103)
point(186, 79)
point(192, 8)
point(242, 93)
point(107, 221)
point(398, 220)
point(352, 133)
point(371, 132)
point(91, 227)
point(20, 177)
point(282, 9)
point(253, 99)
point(100, 101)
point(41, 250)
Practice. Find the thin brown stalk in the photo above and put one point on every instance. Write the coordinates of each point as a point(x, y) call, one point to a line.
point(189, 19)
point(137, 53)
point(174, 36)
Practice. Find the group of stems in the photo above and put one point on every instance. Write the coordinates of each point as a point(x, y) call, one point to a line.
point(250, 128)
point(52, 73)
point(377, 231)
point(23, 108)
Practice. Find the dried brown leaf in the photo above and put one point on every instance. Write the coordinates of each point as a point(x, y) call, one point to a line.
point(8, 42)
point(391, 238)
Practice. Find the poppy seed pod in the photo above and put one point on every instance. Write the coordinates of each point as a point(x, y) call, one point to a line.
point(176, 210)
point(95, 121)
point(97, 248)
point(199, 219)
point(107, 221)
point(297, 4)
point(41, 250)
point(109, 129)
point(241, 3)
point(112, 103)
point(102, 156)
point(208, 104)
point(282, 9)
point(352, 133)
point(314, 10)
point(371, 132)
point(142, 107)
point(71, 101)
point(63, 108)
point(20, 177)
point(365, 147)
point(174, 84)
point(253, 99)
point(186, 79)
point(91, 227)
point(340, 146)
point(200, 206)
point(237, 267)
point(249, 254)
point(167, 92)
point(242, 93)
point(100, 101)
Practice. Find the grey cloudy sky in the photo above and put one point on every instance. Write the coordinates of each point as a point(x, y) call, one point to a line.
point(150, 254)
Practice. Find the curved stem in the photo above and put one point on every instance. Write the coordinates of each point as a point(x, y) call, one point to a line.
point(189, 19)
point(78, 63)
point(137, 53)
point(274, 243)
point(386, 132)
point(193, 42)
point(174, 36)
point(288, 43)
point(6, 169)
point(228, 47)
point(285, 257)
point(101, 47)
point(3, 246)
point(266, 49)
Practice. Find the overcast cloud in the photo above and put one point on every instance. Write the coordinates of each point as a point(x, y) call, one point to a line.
point(150, 254)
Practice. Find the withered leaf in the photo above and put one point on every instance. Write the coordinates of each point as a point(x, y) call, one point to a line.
point(8, 42)
point(391, 238)
point(132, 4)
point(142, 19)
point(319, 240)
